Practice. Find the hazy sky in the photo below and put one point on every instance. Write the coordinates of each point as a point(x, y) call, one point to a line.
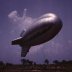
point(12, 22)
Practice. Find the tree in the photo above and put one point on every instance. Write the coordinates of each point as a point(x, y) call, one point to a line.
point(56, 62)
point(9, 64)
point(64, 62)
point(1, 63)
point(26, 62)
point(34, 63)
point(23, 61)
point(46, 61)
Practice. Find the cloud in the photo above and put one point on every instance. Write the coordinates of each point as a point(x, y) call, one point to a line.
point(13, 15)
point(20, 22)
point(37, 48)
point(70, 41)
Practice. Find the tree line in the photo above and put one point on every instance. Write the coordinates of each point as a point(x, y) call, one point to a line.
point(46, 62)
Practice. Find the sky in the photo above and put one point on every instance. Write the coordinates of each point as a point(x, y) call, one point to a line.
point(18, 15)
